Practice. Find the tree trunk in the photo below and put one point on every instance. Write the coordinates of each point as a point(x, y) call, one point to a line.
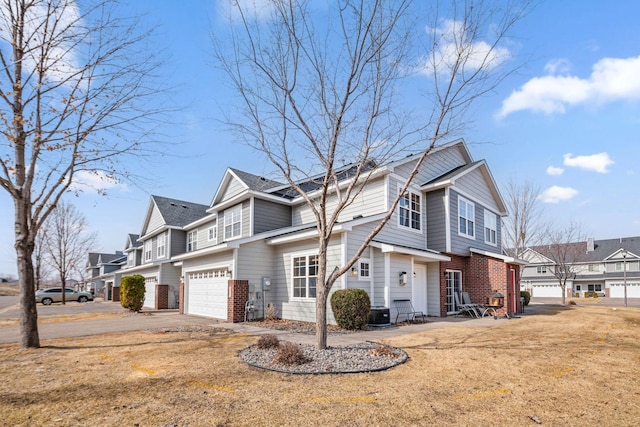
point(24, 250)
point(321, 316)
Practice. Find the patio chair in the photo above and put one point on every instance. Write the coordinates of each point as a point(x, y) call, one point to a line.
point(466, 300)
point(466, 308)
point(405, 308)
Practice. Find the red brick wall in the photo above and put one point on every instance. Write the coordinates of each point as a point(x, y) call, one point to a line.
point(482, 275)
point(238, 297)
point(162, 297)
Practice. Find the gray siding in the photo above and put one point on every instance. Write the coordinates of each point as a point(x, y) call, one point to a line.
point(235, 187)
point(394, 233)
point(203, 235)
point(270, 216)
point(436, 220)
point(177, 242)
point(255, 261)
point(474, 183)
point(460, 244)
point(435, 165)
point(155, 221)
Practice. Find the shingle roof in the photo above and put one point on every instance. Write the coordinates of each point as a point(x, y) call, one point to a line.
point(255, 182)
point(178, 212)
point(602, 248)
point(133, 240)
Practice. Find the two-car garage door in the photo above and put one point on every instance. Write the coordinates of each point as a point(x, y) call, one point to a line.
point(616, 290)
point(206, 293)
point(546, 291)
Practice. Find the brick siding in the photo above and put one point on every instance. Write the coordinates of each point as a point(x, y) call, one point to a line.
point(238, 297)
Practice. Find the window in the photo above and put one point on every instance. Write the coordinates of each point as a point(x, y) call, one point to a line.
point(594, 267)
point(490, 228)
point(466, 218)
point(542, 269)
point(594, 287)
point(364, 269)
point(305, 276)
point(192, 241)
point(618, 266)
point(232, 221)
point(212, 234)
point(130, 258)
point(162, 240)
point(410, 211)
point(147, 250)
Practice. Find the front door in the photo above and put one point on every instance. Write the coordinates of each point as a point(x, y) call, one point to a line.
point(419, 291)
point(454, 285)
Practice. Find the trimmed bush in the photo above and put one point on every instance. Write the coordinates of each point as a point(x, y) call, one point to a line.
point(351, 308)
point(268, 341)
point(290, 354)
point(527, 297)
point(132, 291)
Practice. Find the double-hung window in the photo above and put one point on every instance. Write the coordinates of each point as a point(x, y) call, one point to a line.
point(162, 244)
point(490, 228)
point(212, 234)
point(192, 241)
point(232, 222)
point(364, 269)
point(541, 269)
point(409, 214)
point(466, 218)
point(147, 250)
point(305, 276)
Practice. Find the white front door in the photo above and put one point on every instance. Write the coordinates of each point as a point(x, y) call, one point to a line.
point(419, 289)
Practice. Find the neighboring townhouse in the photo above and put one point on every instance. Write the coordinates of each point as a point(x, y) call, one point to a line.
point(445, 237)
point(150, 255)
point(603, 269)
point(99, 266)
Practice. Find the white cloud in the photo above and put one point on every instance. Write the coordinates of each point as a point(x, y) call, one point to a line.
point(554, 170)
point(595, 162)
point(556, 194)
point(95, 182)
point(453, 44)
point(612, 79)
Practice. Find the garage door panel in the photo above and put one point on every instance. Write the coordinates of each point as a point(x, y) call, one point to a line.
point(616, 290)
point(207, 294)
point(546, 291)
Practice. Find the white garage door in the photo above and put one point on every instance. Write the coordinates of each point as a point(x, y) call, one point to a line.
point(150, 292)
point(616, 290)
point(546, 291)
point(206, 294)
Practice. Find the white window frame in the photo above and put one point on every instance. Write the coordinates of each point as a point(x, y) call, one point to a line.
point(306, 279)
point(406, 203)
point(212, 234)
point(541, 269)
point(233, 218)
point(148, 250)
point(490, 228)
point(192, 240)
point(470, 223)
point(131, 257)
point(161, 250)
point(364, 269)
point(593, 268)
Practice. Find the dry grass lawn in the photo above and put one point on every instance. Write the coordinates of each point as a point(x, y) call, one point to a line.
point(572, 367)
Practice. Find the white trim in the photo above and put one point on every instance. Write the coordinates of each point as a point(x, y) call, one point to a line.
point(369, 268)
point(447, 219)
point(488, 214)
point(504, 258)
point(306, 255)
point(388, 248)
point(473, 219)
point(232, 223)
point(409, 227)
point(194, 243)
point(164, 246)
point(215, 234)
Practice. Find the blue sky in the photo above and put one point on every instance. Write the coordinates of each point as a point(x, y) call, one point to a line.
point(568, 121)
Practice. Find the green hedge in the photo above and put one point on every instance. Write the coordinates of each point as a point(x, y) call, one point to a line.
point(132, 291)
point(351, 308)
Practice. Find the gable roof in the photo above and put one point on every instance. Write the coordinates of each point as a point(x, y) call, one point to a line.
point(449, 178)
point(132, 242)
point(603, 250)
point(179, 213)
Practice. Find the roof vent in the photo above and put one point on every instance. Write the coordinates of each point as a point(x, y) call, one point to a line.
point(184, 206)
point(172, 203)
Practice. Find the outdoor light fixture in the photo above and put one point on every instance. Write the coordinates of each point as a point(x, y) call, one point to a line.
point(402, 280)
point(354, 272)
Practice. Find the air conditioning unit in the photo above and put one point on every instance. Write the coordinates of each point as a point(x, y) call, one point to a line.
point(379, 316)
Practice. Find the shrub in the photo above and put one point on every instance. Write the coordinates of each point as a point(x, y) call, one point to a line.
point(527, 297)
point(132, 291)
point(271, 312)
point(268, 341)
point(290, 354)
point(351, 308)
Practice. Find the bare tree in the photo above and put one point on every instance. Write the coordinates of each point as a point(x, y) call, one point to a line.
point(319, 87)
point(522, 228)
point(75, 101)
point(564, 248)
point(41, 268)
point(67, 242)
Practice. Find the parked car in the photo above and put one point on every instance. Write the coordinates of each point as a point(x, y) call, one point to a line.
point(51, 295)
